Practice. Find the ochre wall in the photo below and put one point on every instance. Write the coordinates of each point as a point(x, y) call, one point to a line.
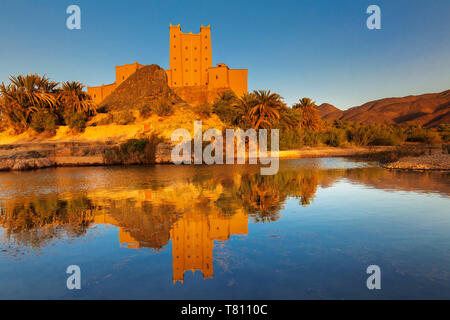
point(100, 93)
point(123, 72)
point(190, 57)
point(238, 81)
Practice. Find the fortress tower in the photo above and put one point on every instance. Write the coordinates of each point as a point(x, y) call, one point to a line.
point(190, 57)
point(191, 73)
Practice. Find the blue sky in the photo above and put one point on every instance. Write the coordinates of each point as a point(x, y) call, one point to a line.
point(315, 48)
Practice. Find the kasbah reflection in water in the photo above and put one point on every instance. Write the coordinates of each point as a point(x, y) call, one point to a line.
point(190, 206)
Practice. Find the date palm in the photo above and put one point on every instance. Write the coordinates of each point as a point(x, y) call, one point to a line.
point(74, 99)
point(244, 105)
point(26, 95)
point(266, 109)
point(309, 117)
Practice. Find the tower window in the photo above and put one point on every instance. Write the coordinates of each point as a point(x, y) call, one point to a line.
point(186, 48)
point(186, 59)
point(174, 46)
point(217, 77)
point(186, 70)
point(206, 47)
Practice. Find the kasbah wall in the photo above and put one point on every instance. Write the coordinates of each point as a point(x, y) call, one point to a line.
point(191, 73)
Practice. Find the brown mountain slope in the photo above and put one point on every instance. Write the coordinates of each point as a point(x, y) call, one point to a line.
point(429, 110)
point(146, 85)
point(328, 111)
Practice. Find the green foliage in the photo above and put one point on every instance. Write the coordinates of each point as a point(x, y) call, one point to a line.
point(29, 95)
point(43, 121)
point(203, 110)
point(163, 108)
point(396, 153)
point(309, 117)
point(419, 134)
point(75, 121)
point(225, 108)
point(444, 132)
point(145, 110)
point(108, 119)
point(335, 137)
point(134, 151)
point(124, 117)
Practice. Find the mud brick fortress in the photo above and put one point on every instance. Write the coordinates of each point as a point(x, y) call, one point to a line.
point(191, 75)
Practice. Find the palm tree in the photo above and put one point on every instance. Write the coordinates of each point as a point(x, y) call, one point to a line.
point(226, 97)
point(266, 109)
point(310, 119)
point(244, 105)
point(73, 99)
point(26, 95)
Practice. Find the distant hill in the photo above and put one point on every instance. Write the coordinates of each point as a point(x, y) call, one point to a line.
point(429, 110)
point(146, 85)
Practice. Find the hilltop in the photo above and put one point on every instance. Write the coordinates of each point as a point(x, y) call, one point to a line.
point(146, 85)
point(428, 110)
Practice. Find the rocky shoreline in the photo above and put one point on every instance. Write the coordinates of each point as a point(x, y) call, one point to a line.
point(434, 161)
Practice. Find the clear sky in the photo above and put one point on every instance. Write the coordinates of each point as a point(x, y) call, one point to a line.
point(315, 48)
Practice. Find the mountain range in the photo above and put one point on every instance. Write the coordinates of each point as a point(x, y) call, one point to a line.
point(428, 110)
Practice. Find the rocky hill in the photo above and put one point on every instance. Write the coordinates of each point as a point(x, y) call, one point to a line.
point(146, 85)
point(429, 110)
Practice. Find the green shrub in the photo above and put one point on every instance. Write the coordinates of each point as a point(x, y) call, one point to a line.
point(43, 121)
point(360, 135)
point(386, 139)
point(109, 119)
point(145, 110)
point(162, 108)
point(427, 136)
point(395, 154)
point(335, 138)
point(444, 132)
point(75, 121)
point(124, 117)
point(291, 139)
point(133, 151)
point(203, 110)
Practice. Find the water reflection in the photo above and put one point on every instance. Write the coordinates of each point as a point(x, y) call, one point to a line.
point(191, 207)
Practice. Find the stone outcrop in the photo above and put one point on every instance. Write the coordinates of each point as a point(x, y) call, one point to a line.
point(146, 85)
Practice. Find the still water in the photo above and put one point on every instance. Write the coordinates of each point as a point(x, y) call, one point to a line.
point(225, 232)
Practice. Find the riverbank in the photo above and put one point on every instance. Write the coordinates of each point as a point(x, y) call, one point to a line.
point(43, 155)
point(39, 155)
point(437, 160)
